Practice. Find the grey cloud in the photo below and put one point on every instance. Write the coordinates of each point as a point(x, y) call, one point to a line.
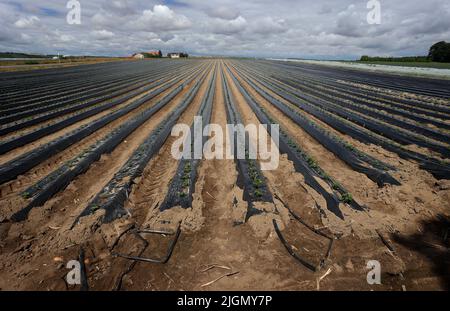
point(123, 7)
point(286, 28)
point(268, 25)
point(167, 37)
point(223, 12)
point(351, 22)
point(228, 27)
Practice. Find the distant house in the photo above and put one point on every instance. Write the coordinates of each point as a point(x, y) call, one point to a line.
point(177, 55)
point(138, 56)
point(154, 54)
point(151, 54)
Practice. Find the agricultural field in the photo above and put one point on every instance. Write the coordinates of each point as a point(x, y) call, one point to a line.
point(14, 65)
point(409, 64)
point(87, 174)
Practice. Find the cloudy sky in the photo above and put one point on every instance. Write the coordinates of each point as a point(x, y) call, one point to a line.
point(330, 29)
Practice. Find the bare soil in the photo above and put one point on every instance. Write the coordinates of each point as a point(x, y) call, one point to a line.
point(405, 228)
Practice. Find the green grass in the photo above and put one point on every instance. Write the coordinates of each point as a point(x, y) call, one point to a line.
point(409, 64)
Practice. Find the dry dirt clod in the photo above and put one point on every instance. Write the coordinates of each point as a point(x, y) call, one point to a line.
point(443, 184)
point(349, 265)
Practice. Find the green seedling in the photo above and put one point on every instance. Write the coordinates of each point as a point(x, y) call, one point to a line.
point(182, 194)
point(335, 186)
point(258, 193)
point(257, 183)
point(347, 198)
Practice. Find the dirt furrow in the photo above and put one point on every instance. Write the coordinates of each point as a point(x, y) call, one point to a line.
point(391, 206)
point(11, 188)
point(145, 197)
point(10, 191)
point(61, 211)
point(219, 249)
point(21, 150)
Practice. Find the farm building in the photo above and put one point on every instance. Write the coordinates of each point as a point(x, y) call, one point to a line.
point(151, 54)
point(177, 55)
point(138, 56)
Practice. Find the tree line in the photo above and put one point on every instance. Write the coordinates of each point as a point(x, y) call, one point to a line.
point(439, 52)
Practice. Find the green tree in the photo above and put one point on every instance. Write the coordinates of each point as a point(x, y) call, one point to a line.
point(364, 58)
point(440, 52)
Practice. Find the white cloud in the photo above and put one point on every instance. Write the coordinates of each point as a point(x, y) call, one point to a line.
point(102, 34)
point(26, 22)
point(25, 37)
point(66, 38)
point(161, 18)
point(229, 27)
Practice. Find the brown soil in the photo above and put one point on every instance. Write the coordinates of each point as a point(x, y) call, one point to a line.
point(401, 228)
point(9, 191)
point(46, 139)
point(90, 119)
